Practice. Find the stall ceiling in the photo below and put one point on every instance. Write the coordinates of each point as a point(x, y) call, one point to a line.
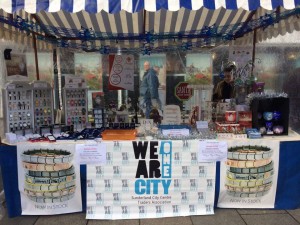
point(165, 25)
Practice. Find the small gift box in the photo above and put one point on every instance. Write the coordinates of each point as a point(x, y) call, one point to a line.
point(258, 87)
point(245, 116)
point(230, 116)
point(227, 128)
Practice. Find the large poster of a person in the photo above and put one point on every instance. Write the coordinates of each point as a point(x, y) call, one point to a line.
point(156, 64)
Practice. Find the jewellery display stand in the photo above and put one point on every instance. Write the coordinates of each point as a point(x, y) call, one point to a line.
point(18, 110)
point(99, 115)
point(42, 104)
point(75, 105)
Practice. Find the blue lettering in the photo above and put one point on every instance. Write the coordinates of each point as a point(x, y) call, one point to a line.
point(166, 152)
point(166, 184)
point(151, 186)
point(138, 187)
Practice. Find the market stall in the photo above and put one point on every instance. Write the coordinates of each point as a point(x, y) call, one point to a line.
point(225, 146)
point(92, 179)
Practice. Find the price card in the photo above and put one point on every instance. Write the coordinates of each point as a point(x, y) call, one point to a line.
point(40, 85)
point(11, 87)
point(91, 153)
point(176, 132)
point(147, 124)
point(212, 151)
point(202, 124)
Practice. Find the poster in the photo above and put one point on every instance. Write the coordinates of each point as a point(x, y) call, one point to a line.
point(158, 63)
point(248, 179)
point(199, 76)
point(97, 100)
point(142, 179)
point(16, 67)
point(45, 62)
point(199, 68)
point(89, 66)
point(121, 72)
point(49, 178)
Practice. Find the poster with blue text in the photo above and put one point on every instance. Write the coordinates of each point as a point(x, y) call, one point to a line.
point(248, 178)
point(142, 179)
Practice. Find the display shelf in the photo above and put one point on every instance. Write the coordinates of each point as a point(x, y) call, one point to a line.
point(75, 105)
point(270, 105)
point(18, 110)
point(99, 117)
point(42, 104)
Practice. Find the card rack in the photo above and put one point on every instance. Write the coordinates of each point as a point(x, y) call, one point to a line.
point(18, 111)
point(99, 118)
point(42, 104)
point(75, 102)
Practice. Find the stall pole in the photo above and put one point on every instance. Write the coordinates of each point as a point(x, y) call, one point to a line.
point(59, 77)
point(253, 50)
point(36, 58)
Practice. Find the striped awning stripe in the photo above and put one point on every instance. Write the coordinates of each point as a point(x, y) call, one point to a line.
point(65, 26)
point(132, 6)
point(10, 33)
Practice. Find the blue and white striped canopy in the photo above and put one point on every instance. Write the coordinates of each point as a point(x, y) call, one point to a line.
point(132, 6)
point(169, 22)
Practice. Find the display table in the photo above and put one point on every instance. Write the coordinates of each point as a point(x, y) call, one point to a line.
point(287, 189)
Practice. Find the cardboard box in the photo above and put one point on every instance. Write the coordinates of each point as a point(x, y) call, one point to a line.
point(227, 127)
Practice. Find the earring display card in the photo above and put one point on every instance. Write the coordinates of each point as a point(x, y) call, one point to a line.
point(42, 104)
point(75, 101)
point(99, 118)
point(18, 112)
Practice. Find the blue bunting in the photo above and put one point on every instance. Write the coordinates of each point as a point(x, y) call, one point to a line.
point(105, 50)
point(186, 46)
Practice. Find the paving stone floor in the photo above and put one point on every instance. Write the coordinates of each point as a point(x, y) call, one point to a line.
point(221, 216)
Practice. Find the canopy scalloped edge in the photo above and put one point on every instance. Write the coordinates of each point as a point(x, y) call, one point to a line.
point(132, 6)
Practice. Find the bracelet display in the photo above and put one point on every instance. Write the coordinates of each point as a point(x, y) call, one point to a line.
point(49, 180)
point(48, 174)
point(253, 170)
point(247, 183)
point(48, 187)
point(46, 167)
point(50, 194)
point(249, 171)
point(47, 156)
point(247, 164)
point(51, 199)
point(251, 176)
point(249, 153)
point(264, 187)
